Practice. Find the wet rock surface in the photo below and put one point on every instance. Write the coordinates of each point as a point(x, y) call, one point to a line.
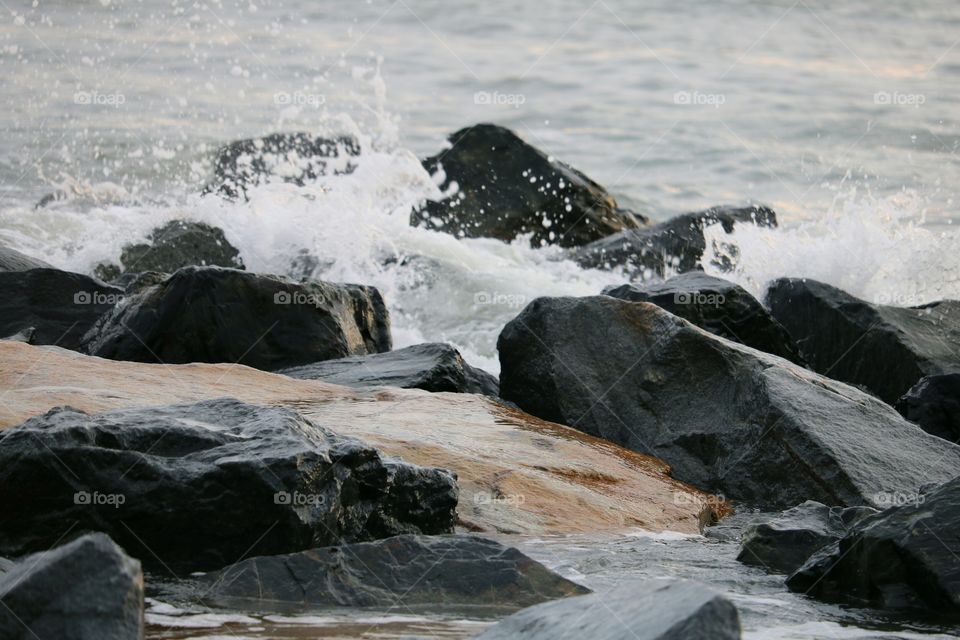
point(87, 589)
point(210, 314)
point(727, 418)
point(407, 570)
point(782, 544)
point(648, 610)
point(177, 244)
point(293, 158)
point(934, 404)
point(198, 486)
point(431, 367)
point(718, 306)
point(59, 306)
point(506, 188)
point(674, 246)
point(516, 473)
point(13, 260)
point(881, 348)
point(904, 558)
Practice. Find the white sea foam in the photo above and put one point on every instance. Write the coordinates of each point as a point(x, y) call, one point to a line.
point(874, 248)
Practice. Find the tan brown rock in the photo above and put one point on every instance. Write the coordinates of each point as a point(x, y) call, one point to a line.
point(517, 474)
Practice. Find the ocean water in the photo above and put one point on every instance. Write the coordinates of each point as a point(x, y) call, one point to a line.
point(842, 116)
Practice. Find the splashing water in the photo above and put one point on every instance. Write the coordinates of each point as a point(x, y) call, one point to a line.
point(873, 248)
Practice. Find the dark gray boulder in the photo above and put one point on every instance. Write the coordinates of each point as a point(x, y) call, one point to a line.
point(59, 306)
point(649, 610)
point(88, 589)
point(211, 314)
point(506, 188)
point(902, 558)
point(13, 260)
point(883, 349)
point(432, 366)
point(179, 243)
point(782, 544)
point(721, 307)
point(674, 246)
point(294, 158)
point(934, 404)
point(727, 418)
point(199, 486)
point(407, 571)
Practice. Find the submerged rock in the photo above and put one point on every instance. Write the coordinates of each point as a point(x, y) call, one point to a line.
point(721, 307)
point(13, 260)
point(210, 314)
point(88, 589)
point(934, 404)
point(783, 544)
point(179, 243)
point(902, 558)
point(725, 417)
point(505, 188)
point(649, 610)
point(516, 473)
point(59, 306)
point(883, 349)
point(407, 571)
point(285, 157)
point(674, 246)
point(198, 486)
point(431, 367)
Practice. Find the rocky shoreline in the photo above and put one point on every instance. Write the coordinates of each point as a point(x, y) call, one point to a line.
point(255, 443)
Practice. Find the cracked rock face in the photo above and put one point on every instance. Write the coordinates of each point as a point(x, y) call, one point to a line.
point(198, 486)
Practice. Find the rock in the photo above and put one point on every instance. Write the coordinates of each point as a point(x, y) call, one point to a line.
point(286, 157)
point(902, 558)
point(59, 306)
point(674, 246)
point(132, 283)
point(24, 335)
point(721, 307)
point(725, 417)
point(198, 486)
point(650, 610)
point(506, 188)
point(783, 544)
point(431, 367)
point(407, 570)
point(88, 589)
point(883, 349)
point(13, 260)
point(210, 314)
point(179, 243)
point(516, 473)
point(934, 404)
